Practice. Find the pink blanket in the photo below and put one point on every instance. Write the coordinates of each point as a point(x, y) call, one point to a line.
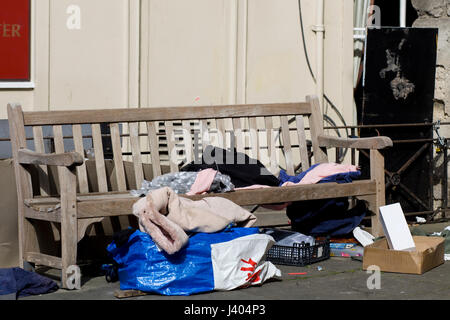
point(203, 182)
point(166, 217)
point(323, 170)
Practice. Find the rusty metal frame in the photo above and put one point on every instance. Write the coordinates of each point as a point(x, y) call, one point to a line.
point(394, 178)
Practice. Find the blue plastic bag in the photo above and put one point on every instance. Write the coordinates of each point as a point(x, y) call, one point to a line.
point(142, 266)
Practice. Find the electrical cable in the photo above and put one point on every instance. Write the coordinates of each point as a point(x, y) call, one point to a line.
point(304, 41)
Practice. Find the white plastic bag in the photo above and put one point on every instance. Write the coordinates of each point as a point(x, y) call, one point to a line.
point(241, 262)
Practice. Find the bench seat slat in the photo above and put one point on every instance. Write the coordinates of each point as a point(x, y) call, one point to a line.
point(113, 204)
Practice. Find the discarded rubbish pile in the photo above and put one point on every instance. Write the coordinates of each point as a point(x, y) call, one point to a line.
point(185, 247)
point(225, 260)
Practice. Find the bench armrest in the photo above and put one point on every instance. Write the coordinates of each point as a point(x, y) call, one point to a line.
point(67, 159)
point(380, 142)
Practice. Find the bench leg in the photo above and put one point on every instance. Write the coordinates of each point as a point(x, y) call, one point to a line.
point(71, 275)
point(35, 238)
point(377, 173)
point(27, 241)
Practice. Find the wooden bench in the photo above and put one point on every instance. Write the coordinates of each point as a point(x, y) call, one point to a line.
point(79, 203)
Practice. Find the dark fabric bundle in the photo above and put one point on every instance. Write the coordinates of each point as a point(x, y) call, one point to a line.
point(243, 170)
point(16, 282)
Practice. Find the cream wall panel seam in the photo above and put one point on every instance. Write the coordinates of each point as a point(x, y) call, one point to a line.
point(133, 53)
point(241, 53)
point(144, 13)
point(233, 47)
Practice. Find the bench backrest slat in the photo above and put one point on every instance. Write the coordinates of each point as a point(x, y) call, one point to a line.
point(146, 143)
point(154, 148)
point(238, 136)
point(316, 128)
point(271, 151)
point(302, 142)
point(170, 136)
point(187, 141)
point(58, 140)
point(254, 138)
point(99, 158)
point(287, 145)
point(205, 137)
point(221, 133)
point(136, 152)
point(162, 114)
point(39, 146)
point(118, 158)
point(81, 170)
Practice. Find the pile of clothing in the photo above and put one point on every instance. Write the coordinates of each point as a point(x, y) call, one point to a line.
point(16, 283)
point(168, 218)
point(184, 246)
point(222, 170)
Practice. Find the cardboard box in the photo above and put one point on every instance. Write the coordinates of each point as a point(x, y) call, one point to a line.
point(429, 254)
point(396, 228)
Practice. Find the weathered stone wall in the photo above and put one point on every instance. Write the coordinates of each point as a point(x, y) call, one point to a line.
point(436, 14)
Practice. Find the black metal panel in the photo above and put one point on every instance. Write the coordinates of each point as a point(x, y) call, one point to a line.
point(398, 88)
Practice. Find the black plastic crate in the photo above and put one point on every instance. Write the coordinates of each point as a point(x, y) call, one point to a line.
point(301, 254)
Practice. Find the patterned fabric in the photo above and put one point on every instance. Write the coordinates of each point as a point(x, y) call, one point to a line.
point(181, 183)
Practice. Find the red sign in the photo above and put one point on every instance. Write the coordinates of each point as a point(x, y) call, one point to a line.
point(14, 40)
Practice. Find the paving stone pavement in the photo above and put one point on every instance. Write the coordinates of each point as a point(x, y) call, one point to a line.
point(339, 279)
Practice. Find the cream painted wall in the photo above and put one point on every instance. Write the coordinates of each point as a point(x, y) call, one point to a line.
point(276, 64)
point(146, 53)
point(186, 51)
point(89, 66)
